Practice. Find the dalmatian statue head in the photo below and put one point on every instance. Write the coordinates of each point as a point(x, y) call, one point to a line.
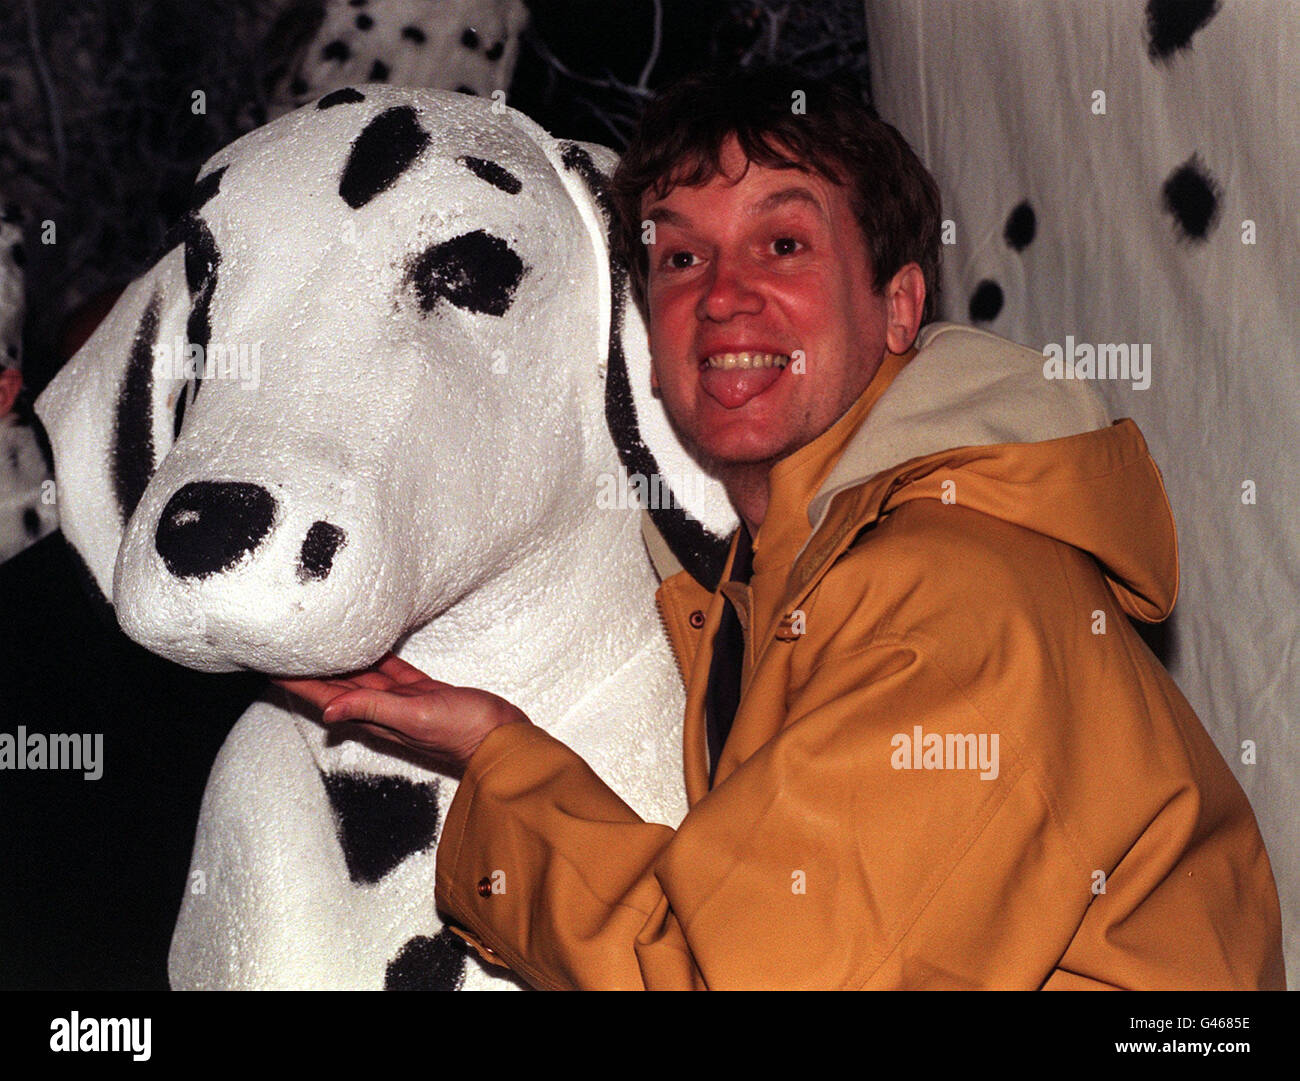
point(382, 356)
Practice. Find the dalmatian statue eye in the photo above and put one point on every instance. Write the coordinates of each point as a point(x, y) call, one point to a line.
point(476, 271)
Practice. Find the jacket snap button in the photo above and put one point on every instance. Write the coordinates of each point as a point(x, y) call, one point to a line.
point(697, 619)
point(485, 886)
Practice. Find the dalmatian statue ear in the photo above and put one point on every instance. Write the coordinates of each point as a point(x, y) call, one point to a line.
point(113, 412)
point(690, 514)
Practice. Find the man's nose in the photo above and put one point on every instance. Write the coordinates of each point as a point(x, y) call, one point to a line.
point(729, 291)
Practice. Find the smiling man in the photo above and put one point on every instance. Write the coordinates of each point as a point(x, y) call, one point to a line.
point(924, 746)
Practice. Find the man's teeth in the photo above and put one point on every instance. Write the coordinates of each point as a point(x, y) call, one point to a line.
point(748, 360)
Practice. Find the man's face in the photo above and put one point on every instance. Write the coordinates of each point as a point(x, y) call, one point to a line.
point(764, 327)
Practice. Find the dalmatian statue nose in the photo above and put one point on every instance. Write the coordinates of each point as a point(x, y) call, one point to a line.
point(209, 526)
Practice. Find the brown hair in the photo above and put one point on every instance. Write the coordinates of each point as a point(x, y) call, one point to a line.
point(682, 132)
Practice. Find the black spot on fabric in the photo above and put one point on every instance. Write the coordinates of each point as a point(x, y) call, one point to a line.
point(1021, 227)
point(414, 34)
point(985, 302)
point(495, 52)
point(1191, 198)
point(463, 89)
point(385, 149)
point(1171, 24)
point(493, 173)
point(133, 451)
point(336, 50)
point(346, 96)
point(31, 522)
point(18, 254)
point(380, 821)
point(364, 22)
point(316, 558)
point(469, 38)
point(379, 72)
point(700, 552)
point(178, 418)
point(208, 526)
point(429, 964)
point(475, 271)
point(299, 86)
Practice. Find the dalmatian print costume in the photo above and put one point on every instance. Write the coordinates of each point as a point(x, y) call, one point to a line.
point(465, 45)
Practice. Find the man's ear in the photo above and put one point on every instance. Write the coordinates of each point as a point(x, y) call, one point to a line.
point(11, 382)
point(906, 296)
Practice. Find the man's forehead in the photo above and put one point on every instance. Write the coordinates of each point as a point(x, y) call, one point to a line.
point(758, 197)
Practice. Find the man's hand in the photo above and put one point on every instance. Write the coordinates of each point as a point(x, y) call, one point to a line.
point(399, 703)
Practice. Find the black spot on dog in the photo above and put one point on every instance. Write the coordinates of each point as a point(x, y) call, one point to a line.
point(1172, 23)
point(428, 964)
point(202, 258)
point(364, 22)
point(475, 271)
point(385, 149)
point(1191, 198)
point(346, 96)
point(133, 462)
point(14, 461)
point(414, 34)
point(178, 418)
point(316, 558)
point(209, 526)
point(336, 50)
point(493, 173)
point(495, 52)
point(380, 821)
point(1021, 227)
point(700, 552)
point(985, 302)
point(469, 38)
point(379, 72)
point(463, 89)
point(206, 189)
point(31, 523)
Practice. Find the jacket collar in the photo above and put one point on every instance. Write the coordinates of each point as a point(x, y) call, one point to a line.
point(796, 479)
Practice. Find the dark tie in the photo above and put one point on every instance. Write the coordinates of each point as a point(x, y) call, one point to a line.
point(723, 695)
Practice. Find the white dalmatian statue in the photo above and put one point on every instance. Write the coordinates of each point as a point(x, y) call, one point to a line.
point(370, 400)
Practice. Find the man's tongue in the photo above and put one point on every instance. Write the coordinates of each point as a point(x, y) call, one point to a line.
point(732, 388)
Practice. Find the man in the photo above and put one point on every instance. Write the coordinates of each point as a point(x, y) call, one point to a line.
point(924, 746)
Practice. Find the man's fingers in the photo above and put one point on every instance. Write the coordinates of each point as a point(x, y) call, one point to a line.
point(316, 691)
point(399, 670)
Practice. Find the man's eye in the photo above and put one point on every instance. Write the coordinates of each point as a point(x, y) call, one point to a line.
point(785, 245)
point(680, 260)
